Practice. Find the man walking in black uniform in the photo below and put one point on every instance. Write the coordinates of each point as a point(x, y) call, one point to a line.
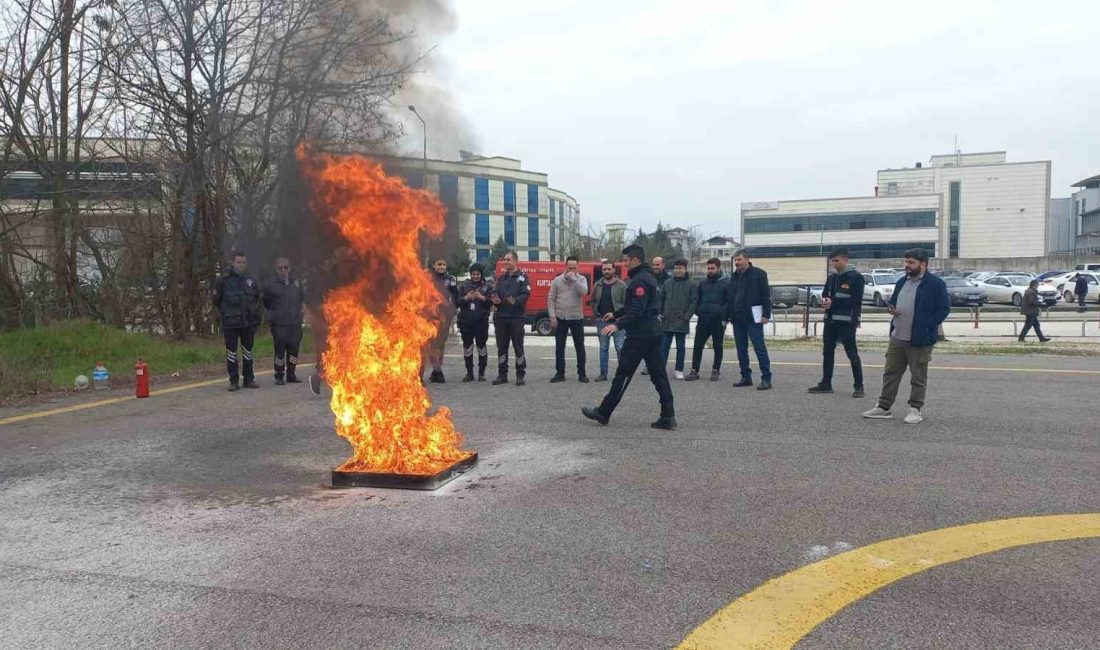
point(473, 320)
point(237, 298)
point(842, 299)
point(644, 340)
point(283, 301)
point(510, 298)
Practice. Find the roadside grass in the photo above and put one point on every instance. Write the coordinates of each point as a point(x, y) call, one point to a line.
point(1007, 348)
point(49, 358)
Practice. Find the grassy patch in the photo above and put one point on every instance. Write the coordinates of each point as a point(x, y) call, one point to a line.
point(49, 358)
point(1007, 348)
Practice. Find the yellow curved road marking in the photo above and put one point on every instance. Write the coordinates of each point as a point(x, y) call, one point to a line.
point(782, 611)
point(116, 400)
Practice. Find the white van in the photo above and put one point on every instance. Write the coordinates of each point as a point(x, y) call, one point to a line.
point(1087, 267)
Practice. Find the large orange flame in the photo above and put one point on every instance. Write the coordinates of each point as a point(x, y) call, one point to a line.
point(378, 323)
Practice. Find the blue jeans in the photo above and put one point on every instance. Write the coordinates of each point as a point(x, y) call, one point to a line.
point(681, 343)
point(742, 334)
point(605, 348)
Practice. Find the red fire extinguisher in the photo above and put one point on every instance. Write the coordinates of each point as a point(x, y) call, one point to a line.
point(141, 379)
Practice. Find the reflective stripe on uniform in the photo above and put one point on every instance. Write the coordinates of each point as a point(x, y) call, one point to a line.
point(841, 318)
point(842, 295)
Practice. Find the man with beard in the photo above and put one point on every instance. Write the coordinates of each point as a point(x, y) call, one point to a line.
point(919, 304)
point(750, 305)
point(678, 299)
point(283, 298)
point(608, 297)
point(447, 286)
point(510, 298)
point(474, 305)
point(566, 306)
point(643, 343)
point(712, 309)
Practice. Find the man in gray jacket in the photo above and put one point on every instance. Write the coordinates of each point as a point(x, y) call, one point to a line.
point(679, 297)
point(566, 307)
point(608, 297)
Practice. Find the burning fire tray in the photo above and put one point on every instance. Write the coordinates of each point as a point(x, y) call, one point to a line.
point(342, 479)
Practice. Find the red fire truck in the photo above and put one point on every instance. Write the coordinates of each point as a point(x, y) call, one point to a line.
point(541, 274)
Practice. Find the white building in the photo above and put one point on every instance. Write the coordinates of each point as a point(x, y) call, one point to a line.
point(960, 205)
point(488, 198)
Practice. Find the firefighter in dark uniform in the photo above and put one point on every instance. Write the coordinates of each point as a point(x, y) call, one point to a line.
point(447, 286)
point(510, 298)
point(644, 337)
point(283, 297)
point(474, 305)
point(842, 299)
point(237, 298)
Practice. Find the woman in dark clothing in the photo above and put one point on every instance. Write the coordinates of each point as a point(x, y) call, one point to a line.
point(1031, 311)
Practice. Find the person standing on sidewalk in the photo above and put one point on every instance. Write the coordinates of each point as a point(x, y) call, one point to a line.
point(842, 299)
point(283, 298)
point(1081, 289)
point(919, 304)
point(566, 307)
point(750, 305)
point(712, 309)
point(512, 291)
point(643, 343)
point(608, 297)
point(1030, 310)
point(678, 300)
point(473, 320)
point(238, 298)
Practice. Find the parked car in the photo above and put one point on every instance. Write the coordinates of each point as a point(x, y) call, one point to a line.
point(1011, 288)
point(878, 287)
point(1087, 267)
point(1065, 283)
point(1050, 274)
point(965, 293)
point(785, 295)
point(981, 276)
point(811, 294)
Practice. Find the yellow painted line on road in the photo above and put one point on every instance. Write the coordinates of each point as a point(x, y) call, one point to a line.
point(116, 400)
point(782, 611)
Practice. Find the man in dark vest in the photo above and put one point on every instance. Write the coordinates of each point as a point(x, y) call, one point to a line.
point(644, 339)
point(842, 299)
point(237, 298)
point(473, 320)
point(510, 297)
point(283, 298)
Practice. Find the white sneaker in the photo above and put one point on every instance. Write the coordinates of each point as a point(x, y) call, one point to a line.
point(914, 416)
point(878, 413)
point(679, 374)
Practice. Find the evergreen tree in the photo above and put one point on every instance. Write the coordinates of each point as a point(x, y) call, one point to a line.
point(459, 263)
point(498, 251)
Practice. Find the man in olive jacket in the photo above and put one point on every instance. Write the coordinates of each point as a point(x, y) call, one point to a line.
point(679, 297)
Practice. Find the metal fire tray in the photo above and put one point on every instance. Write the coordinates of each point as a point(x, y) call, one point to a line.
point(342, 479)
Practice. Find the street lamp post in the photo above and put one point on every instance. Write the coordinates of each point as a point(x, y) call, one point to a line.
point(423, 178)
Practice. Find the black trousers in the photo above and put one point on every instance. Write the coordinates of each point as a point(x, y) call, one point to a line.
point(710, 327)
point(560, 334)
point(475, 336)
point(1081, 301)
point(845, 333)
point(1030, 322)
point(287, 340)
point(246, 336)
point(510, 330)
point(637, 349)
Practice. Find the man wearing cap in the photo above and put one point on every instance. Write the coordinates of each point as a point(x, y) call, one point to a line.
point(842, 299)
point(919, 304)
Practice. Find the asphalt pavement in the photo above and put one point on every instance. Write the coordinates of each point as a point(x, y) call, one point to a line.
point(201, 518)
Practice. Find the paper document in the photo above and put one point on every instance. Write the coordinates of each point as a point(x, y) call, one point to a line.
point(757, 313)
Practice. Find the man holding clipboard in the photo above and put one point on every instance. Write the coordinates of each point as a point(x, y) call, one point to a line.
point(750, 304)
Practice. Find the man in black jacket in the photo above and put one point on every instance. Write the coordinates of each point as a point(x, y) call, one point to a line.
point(283, 298)
point(713, 310)
point(474, 305)
point(1081, 290)
point(643, 343)
point(842, 299)
point(512, 290)
point(750, 302)
point(237, 298)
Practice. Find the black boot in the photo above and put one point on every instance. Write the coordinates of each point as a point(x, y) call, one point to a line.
point(500, 380)
point(669, 424)
point(594, 414)
point(469, 376)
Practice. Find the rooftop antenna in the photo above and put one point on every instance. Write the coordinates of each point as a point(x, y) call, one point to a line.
point(958, 152)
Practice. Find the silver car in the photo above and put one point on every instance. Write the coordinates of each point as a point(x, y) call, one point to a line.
point(1011, 288)
point(878, 287)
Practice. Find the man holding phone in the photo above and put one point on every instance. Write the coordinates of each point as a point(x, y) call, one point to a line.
point(566, 306)
point(919, 304)
point(842, 300)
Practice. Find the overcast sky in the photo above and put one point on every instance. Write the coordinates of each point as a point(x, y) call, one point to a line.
point(679, 110)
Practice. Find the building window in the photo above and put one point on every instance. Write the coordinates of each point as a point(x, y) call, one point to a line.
point(553, 214)
point(553, 239)
point(532, 231)
point(481, 230)
point(892, 188)
point(481, 193)
point(532, 199)
point(533, 256)
point(509, 196)
point(852, 221)
point(858, 251)
point(483, 257)
point(510, 231)
point(954, 213)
